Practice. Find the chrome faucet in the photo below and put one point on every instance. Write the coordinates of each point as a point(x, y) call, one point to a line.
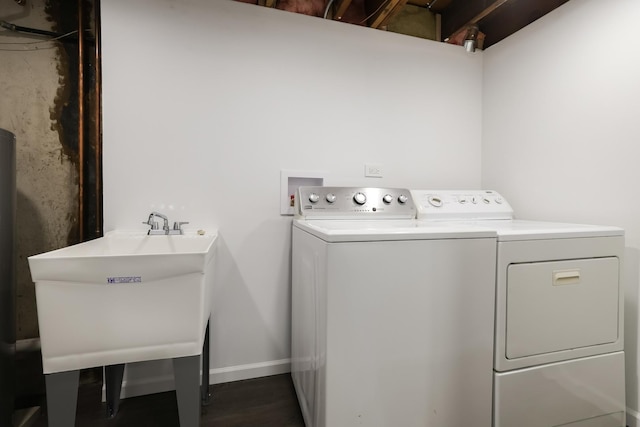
point(155, 229)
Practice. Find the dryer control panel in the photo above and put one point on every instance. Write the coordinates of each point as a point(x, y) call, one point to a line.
point(354, 203)
point(461, 205)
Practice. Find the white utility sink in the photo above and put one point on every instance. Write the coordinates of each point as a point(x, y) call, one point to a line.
point(122, 298)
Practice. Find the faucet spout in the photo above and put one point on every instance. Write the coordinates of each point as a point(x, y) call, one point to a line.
point(154, 224)
point(165, 226)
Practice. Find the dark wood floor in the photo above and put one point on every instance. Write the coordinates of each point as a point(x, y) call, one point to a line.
point(269, 401)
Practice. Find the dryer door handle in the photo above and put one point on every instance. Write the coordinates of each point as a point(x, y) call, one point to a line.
point(566, 277)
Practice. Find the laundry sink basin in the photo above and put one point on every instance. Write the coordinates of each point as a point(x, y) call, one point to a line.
point(122, 298)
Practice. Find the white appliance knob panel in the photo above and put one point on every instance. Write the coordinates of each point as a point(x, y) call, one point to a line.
point(350, 202)
point(360, 198)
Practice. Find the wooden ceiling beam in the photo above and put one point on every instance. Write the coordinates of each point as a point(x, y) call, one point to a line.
point(459, 35)
point(341, 8)
point(383, 10)
point(433, 5)
point(462, 13)
point(497, 19)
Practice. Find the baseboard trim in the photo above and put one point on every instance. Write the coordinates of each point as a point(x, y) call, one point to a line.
point(633, 418)
point(248, 371)
point(162, 383)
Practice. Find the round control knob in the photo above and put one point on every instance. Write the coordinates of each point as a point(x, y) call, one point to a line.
point(360, 198)
point(499, 200)
point(331, 197)
point(486, 200)
point(387, 198)
point(313, 198)
point(402, 199)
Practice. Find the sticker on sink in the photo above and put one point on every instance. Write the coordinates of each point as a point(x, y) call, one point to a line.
point(124, 279)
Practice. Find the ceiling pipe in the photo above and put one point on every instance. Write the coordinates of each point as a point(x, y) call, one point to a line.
point(471, 39)
point(326, 9)
point(98, 119)
point(80, 123)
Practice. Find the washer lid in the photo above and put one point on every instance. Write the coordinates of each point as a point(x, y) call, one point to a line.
point(387, 230)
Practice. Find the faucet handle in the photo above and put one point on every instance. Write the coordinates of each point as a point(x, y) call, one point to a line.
point(151, 222)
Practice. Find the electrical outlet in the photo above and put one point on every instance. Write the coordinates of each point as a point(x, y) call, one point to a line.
point(373, 170)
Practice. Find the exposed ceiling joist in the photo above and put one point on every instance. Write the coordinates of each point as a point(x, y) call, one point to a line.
point(494, 19)
point(459, 35)
point(497, 19)
point(341, 8)
point(383, 10)
point(433, 5)
point(487, 11)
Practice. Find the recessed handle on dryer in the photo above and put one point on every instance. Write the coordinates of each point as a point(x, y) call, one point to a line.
point(566, 277)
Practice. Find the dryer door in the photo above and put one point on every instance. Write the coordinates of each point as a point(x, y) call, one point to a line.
point(561, 305)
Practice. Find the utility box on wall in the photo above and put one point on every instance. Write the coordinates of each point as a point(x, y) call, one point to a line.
point(290, 180)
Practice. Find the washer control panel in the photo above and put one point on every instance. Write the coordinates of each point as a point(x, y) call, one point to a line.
point(354, 202)
point(461, 204)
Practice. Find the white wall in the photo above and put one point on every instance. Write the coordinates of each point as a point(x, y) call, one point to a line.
point(206, 101)
point(561, 129)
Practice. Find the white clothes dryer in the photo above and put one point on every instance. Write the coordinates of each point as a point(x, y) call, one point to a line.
point(392, 319)
point(558, 358)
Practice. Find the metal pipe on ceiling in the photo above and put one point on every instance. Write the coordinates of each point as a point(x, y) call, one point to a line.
point(80, 123)
point(98, 118)
point(327, 8)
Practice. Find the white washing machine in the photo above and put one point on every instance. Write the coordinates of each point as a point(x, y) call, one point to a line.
point(392, 320)
point(559, 357)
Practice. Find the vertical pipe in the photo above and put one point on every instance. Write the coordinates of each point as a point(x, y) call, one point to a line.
point(80, 123)
point(7, 275)
point(98, 117)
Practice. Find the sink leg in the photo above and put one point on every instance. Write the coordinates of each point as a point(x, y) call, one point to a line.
point(62, 398)
point(205, 396)
point(113, 383)
point(186, 372)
